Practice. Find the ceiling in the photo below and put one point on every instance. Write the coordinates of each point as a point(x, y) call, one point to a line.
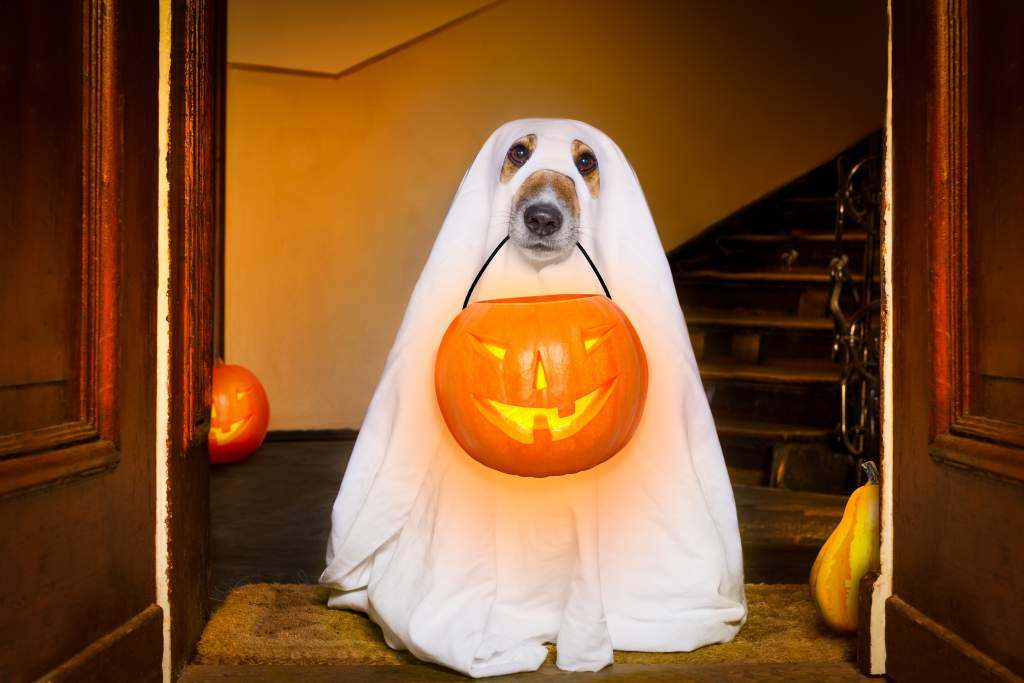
point(328, 36)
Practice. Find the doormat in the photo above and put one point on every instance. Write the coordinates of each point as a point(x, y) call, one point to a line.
point(276, 623)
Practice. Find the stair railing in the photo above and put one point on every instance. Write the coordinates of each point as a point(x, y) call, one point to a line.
point(856, 338)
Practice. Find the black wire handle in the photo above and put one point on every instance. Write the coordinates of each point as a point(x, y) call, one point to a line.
point(502, 243)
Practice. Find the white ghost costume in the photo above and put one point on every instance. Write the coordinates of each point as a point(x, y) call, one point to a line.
point(475, 569)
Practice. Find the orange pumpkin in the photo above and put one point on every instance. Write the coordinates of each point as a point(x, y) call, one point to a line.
point(240, 414)
point(541, 386)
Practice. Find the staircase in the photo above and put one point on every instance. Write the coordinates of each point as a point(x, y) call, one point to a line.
point(755, 289)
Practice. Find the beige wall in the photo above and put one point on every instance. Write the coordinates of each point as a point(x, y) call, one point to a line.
point(336, 188)
point(329, 36)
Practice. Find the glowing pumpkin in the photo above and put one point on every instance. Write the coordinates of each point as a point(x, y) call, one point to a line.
point(847, 555)
point(541, 386)
point(240, 414)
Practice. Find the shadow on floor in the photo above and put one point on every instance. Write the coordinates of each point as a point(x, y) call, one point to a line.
point(271, 514)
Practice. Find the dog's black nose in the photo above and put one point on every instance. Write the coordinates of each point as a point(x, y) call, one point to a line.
point(542, 219)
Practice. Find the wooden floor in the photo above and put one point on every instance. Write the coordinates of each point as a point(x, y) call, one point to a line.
point(271, 519)
point(620, 673)
point(271, 514)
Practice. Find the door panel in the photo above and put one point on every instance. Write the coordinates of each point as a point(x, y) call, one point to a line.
point(957, 610)
point(995, 220)
point(77, 390)
point(60, 245)
point(40, 125)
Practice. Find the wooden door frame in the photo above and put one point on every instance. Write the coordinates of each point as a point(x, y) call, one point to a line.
point(194, 211)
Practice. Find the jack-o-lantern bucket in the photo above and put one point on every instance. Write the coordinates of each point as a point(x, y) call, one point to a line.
point(544, 385)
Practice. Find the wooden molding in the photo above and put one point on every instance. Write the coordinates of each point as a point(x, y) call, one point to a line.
point(948, 213)
point(992, 459)
point(989, 429)
point(938, 654)
point(57, 467)
point(101, 235)
point(51, 454)
point(46, 438)
point(128, 651)
point(958, 437)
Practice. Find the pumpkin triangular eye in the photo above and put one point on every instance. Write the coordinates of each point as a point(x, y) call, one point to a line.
point(493, 348)
point(594, 337)
point(542, 377)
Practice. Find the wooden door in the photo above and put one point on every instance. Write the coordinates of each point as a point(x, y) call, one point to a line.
point(78, 260)
point(957, 610)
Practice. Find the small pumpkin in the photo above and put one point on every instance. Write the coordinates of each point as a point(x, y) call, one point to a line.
point(541, 386)
point(239, 415)
point(847, 555)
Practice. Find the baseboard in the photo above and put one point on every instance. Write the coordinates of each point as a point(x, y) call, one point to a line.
point(920, 649)
point(345, 434)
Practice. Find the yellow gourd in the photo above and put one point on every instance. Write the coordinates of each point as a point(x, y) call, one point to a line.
point(847, 555)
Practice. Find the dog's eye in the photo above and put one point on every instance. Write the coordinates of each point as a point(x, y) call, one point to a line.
point(586, 163)
point(518, 154)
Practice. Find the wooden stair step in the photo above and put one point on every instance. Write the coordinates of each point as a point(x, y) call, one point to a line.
point(814, 201)
point(780, 516)
point(755, 320)
point(794, 236)
point(794, 276)
point(818, 236)
point(774, 374)
point(782, 530)
point(768, 431)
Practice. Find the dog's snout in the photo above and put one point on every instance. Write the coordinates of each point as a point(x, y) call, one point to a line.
point(542, 219)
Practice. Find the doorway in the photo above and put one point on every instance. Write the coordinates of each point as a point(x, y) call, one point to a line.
point(311, 297)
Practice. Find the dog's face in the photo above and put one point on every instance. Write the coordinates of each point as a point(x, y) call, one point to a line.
point(544, 216)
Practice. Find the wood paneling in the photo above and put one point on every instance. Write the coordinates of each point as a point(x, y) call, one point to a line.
point(78, 558)
point(61, 240)
point(974, 193)
point(927, 651)
point(197, 42)
point(124, 654)
point(40, 186)
point(995, 207)
point(958, 565)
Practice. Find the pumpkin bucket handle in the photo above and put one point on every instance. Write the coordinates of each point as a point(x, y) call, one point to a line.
point(494, 253)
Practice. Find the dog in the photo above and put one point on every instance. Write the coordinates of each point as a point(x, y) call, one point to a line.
point(544, 217)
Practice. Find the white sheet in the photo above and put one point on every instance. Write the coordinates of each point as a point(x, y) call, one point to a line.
point(474, 569)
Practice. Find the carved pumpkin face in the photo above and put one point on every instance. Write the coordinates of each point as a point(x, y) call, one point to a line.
point(541, 386)
point(239, 414)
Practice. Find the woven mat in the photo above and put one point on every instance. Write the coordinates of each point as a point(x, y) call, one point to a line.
point(267, 623)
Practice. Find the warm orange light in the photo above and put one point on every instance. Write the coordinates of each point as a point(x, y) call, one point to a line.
point(541, 386)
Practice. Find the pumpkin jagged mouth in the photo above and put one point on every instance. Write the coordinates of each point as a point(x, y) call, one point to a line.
point(523, 422)
point(224, 436)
